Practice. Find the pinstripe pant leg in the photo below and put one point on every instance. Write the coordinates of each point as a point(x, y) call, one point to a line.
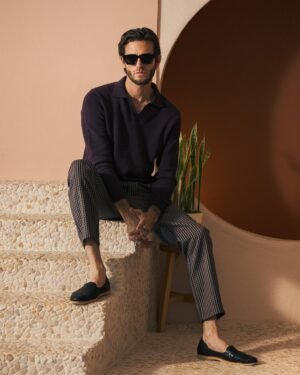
point(174, 227)
point(89, 200)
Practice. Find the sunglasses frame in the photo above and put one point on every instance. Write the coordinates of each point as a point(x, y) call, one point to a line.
point(141, 57)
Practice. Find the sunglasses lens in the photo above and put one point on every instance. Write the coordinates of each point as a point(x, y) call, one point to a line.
point(130, 59)
point(146, 58)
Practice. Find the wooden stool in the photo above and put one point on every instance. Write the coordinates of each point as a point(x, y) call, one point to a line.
point(169, 296)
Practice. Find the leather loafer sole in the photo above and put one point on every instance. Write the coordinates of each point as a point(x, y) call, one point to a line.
point(231, 355)
point(212, 358)
point(91, 300)
point(90, 293)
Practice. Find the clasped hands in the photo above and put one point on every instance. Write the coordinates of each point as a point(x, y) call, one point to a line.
point(140, 224)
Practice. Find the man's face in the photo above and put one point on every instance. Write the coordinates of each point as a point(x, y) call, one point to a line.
point(140, 74)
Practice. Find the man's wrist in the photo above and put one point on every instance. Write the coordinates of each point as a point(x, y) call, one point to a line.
point(154, 209)
point(123, 207)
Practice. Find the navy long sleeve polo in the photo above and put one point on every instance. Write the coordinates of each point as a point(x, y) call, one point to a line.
point(124, 145)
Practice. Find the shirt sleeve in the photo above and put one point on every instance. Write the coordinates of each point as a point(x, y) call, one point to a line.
point(165, 183)
point(98, 145)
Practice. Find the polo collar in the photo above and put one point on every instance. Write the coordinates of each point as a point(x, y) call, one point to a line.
point(120, 91)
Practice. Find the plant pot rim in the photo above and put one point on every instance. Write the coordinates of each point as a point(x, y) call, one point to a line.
point(197, 216)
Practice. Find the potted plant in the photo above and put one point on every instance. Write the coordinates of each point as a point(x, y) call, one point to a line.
point(191, 160)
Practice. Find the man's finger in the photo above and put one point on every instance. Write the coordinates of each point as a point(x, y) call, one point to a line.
point(133, 235)
point(141, 224)
point(136, 211)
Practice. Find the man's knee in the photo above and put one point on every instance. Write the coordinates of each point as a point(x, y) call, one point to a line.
point(200, 234)
point(197, 229)
point(78, 169)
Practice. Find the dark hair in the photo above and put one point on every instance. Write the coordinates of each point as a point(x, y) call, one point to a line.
point(139, 34)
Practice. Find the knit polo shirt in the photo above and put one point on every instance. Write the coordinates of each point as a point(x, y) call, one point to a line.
point(124, 144)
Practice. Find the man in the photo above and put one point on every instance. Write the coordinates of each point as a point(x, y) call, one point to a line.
point(128, 172)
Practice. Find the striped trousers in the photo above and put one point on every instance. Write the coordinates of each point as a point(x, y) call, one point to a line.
point(90, 202)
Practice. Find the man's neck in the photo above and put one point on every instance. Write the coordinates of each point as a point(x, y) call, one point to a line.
point(140, 93)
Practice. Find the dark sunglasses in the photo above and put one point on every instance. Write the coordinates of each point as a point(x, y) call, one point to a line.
point(146, 58)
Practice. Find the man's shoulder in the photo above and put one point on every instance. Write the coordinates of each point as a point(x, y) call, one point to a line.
point(164, 102)
point(105, 90)
point(99, 96)
point(170, 107)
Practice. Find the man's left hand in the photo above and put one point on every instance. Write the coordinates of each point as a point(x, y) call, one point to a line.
point(147, 219)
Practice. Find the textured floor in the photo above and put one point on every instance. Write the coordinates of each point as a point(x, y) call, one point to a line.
point(277, 346)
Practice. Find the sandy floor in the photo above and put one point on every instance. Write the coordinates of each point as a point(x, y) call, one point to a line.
point(277, 346)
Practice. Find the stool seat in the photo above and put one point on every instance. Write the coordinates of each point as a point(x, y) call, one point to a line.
point(169, 248)
point(169, 296)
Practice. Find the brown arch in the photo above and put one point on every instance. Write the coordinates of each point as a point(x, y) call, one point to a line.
point(234, 69)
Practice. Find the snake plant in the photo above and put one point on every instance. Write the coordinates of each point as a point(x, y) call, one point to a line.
point(192, 157)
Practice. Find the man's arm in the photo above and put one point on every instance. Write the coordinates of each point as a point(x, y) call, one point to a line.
point(99, 146)
point(99, 150)
point(163, 187)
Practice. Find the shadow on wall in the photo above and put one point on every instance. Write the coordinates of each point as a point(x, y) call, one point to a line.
point(258, 276)
point(240, 79)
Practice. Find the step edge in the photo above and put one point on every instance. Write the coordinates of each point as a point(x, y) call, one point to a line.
point(61, 255)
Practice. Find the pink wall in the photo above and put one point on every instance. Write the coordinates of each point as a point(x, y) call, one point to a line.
point(52, 53)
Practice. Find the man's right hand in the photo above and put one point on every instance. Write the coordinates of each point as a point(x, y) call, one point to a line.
point(132, 221)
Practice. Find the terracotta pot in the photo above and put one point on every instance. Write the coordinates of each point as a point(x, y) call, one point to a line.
point(197, 216)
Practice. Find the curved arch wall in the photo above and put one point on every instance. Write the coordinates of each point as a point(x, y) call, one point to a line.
point(235, 69)
point(258, 275)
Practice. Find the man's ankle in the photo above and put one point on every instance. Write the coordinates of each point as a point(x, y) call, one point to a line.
point(98, 268)
point(210, 329)
point(98, 277)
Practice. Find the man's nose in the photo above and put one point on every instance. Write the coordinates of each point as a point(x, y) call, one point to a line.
point(139, 62)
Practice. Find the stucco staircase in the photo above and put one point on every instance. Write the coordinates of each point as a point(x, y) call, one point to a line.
point(41, 263)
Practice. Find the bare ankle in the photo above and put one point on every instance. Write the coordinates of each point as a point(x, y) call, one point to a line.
point(210, 328)
point(98, 273)
point(98, 278)
point(98, 269)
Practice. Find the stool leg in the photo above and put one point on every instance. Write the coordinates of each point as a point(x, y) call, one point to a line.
point(166, 292)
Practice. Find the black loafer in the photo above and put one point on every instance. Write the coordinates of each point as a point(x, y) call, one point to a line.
point(90, 293)
point(231, 354)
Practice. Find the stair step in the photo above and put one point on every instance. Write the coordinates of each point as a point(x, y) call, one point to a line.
point(40, 315)
point(41, 262)
point(35, 270)
point(56, 233)
point(123, 317)
point(33, 198)
point(47, 357)
point(38, 270)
